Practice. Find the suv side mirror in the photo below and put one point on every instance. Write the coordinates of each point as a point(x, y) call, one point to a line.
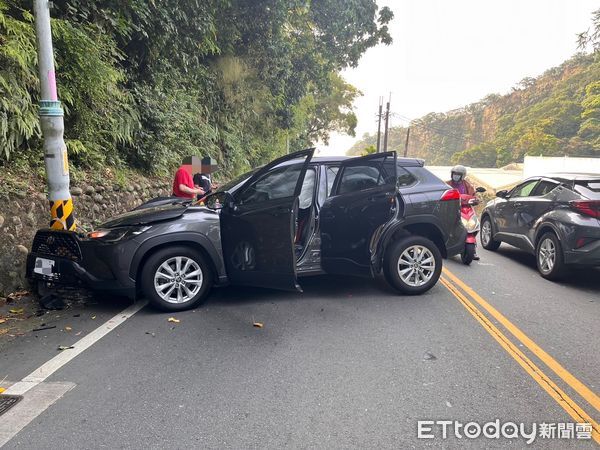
point(502, 194)
point(219, 200)
point(480, 189)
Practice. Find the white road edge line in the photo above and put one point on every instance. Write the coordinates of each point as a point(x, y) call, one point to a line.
point(34, 404)
point(45, 370)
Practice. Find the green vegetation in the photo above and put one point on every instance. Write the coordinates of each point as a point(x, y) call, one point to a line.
point(144, 83)
point(555, 114)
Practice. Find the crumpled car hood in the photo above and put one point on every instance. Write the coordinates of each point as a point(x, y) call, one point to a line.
point(146, 216)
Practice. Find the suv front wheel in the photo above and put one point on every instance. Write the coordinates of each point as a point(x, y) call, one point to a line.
point(487, 235)
point(176, 278)
point(412, 265)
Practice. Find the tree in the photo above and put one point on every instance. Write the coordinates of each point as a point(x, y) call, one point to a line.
point(144, 83)
point(591, 37)
point(482, 155)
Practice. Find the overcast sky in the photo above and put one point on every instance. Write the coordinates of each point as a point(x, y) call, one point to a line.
point(449, 53)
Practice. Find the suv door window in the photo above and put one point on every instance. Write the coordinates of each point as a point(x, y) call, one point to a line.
point(370, 174)
point(524, 190)
point(278, 183)
point(405, 178)
point(544, 187)
point(331, 173)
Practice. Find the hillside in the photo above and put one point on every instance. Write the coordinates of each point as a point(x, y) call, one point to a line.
point(557, 113)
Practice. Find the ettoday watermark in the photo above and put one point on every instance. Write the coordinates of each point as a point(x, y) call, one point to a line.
point(432, 429)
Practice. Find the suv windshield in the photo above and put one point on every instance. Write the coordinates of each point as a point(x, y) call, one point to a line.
point(230, 185)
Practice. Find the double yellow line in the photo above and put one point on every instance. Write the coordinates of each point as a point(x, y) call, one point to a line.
point(469, 298)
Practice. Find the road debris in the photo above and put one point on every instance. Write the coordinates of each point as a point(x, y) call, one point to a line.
point(16, 296)
point(52, 302)
point(68, 329)
point(173, 320)
point(151, 334)
point(93, 317)
point(44, 328)
point(428, 356)
point(65, 347)
point(258, 324)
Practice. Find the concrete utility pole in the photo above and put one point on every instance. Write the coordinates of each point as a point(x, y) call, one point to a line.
point(387, 122)
point(379, 124)
point(51, 120)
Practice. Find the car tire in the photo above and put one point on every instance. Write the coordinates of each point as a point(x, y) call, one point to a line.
point(549, 257)
point(486, 235)
point(176, 279)
point(397, 265)
point(468, 254)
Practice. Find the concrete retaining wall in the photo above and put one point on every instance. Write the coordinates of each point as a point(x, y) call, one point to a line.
point(25, 212)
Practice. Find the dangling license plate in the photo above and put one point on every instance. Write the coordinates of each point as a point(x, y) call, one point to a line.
point(44, 267)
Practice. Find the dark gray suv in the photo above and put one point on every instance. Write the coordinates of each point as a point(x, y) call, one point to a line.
point(294, 217)
point(556, 217)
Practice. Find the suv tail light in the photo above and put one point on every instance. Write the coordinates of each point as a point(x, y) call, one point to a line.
point(587, 207)
point(450, 194)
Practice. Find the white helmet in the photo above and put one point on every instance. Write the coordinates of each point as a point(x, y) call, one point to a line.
point(459, 171)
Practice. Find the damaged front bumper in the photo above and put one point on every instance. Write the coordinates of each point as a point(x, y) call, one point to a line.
point(64, 258)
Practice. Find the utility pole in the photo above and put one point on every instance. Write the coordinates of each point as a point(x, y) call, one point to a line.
point(51, 121)
point(406, 142)
point(387, 122)
point(379, 124)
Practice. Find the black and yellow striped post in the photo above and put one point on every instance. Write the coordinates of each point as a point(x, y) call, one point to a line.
point(62, 215)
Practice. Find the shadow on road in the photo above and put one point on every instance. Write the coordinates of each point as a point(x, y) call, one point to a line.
point(325, 287)
point(583, 278)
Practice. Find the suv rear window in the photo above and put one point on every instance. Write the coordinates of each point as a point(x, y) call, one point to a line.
point(589, 189)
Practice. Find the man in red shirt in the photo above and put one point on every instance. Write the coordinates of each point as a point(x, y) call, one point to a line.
point(183, 184)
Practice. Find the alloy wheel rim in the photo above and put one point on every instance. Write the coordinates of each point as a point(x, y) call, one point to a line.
point(486, 232)
point(416, 265)
point(178, 279)
point(547, 255)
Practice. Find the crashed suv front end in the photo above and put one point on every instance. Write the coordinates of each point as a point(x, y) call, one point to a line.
point(57, 257)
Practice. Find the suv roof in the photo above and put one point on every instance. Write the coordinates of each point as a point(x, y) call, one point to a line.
point(405, 162)
point(569, 176)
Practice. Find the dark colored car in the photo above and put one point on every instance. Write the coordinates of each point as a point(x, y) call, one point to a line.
point(556, 218)
point(294, 217)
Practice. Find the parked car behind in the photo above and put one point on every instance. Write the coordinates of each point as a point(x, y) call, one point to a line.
point(556, 218)
point(294, 217)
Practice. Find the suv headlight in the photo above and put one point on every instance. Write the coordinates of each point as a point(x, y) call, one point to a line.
point(115, 234)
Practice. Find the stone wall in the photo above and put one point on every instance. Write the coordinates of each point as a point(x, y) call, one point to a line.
point(26, 211)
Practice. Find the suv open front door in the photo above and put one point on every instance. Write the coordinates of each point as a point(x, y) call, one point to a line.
point(258, 228)
point(363, 199)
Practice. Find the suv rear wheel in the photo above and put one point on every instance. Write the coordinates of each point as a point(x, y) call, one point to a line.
point(176, 278)
point(412, 265)
point(549, 257)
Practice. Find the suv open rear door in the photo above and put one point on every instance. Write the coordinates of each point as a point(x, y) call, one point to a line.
point(258, 227)
point(362, 200)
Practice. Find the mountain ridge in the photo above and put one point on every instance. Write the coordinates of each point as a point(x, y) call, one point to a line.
point(554, 114)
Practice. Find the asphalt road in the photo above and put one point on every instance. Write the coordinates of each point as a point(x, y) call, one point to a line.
point(346, 364)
